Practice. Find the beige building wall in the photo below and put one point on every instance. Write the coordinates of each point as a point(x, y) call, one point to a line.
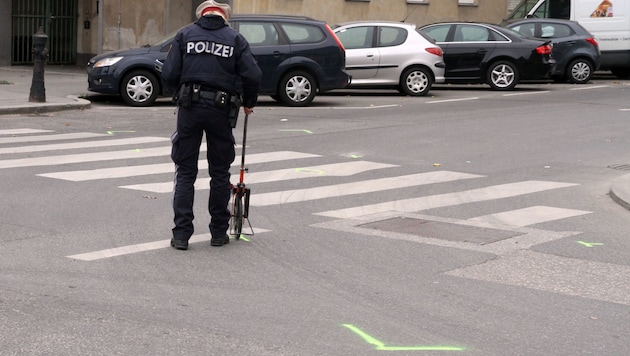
point(133, 23)
point(337, 11)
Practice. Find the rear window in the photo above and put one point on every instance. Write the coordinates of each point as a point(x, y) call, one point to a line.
point(391, 36)
point(302, 33)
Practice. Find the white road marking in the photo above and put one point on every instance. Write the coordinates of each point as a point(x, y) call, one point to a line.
point(529, 216)
point(84, 144)
point(22, 131)
point(451, 100)
point(337, 169)
point(359, 187)
point(590, 87)
point(527, 93)
point(148, 246)
point(40, 138)
point(448, 199)
point(134, 171)
point(86, 157)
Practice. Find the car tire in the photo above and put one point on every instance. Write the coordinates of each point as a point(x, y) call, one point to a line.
point(502, 75)
point(139, 88)
point(416, 81)
point(579, 71)
point(297, 88)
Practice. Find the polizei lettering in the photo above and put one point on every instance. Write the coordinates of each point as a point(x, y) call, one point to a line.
point(216, 49)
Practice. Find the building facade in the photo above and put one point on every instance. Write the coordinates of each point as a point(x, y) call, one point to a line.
point(80, 29)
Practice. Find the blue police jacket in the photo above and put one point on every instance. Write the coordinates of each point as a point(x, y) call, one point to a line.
point(210, 53)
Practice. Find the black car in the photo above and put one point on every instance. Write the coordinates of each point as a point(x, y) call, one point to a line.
point(299, 57)
point(486, 53)
point(575, 49)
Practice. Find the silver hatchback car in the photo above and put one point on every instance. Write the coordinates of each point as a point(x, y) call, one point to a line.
point(390, 54)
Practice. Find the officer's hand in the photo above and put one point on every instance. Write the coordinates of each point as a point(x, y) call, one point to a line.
point(248, 111)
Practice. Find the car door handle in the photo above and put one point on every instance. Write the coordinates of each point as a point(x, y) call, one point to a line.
point(481, 51)
point(370, 55)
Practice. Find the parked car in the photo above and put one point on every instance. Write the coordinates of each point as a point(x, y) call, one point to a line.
point(485, 53)
point(390, 54)
point(298, 56)
point(575, 49)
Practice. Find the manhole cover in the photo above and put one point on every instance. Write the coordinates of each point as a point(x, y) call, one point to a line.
point(440, 230)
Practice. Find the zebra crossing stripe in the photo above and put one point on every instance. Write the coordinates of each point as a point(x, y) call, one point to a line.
point(85, 157)
point(40, 138)
point(86, 144)
point(448, 199)
point(22, 131)
point(134, 171)
point(529, 216)
point(360, 187)
point(148, 246)
point(335, 169)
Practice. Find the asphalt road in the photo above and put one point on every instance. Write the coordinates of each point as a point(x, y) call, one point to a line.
point(470, 221)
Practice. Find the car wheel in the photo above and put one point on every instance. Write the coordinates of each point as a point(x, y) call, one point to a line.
point(297, 89)
point(502, 75)
point(622, 73)
point(416, 81)
point(579, 71)
point(139, 88)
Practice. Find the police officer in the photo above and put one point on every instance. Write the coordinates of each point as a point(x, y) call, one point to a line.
point(205, 62)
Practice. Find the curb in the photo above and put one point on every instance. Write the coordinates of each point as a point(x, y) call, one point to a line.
point(73, 102)
point(620, 191)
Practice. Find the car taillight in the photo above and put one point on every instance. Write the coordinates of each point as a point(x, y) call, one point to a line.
point(332, 33)
point(544, 49)
point(435, 50)
point(592, 41)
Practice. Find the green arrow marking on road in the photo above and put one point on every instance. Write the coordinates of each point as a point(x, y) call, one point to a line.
point(307, 131)
point(114, 132)
point(379, 345)
point(590, 244)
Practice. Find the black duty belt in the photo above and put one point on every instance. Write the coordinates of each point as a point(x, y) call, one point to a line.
point(210, 95)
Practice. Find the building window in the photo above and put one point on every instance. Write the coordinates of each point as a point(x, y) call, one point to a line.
point(417, 1)
point(467, 2)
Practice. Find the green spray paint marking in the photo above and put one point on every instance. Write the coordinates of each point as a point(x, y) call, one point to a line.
point(379, 345)
point(309, 170)
point(113, 132)
point(590, 244)
point(356, 156)
point(307, 131)
point(242, 237)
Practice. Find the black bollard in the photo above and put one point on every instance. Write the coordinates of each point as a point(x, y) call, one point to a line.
point(38, 92)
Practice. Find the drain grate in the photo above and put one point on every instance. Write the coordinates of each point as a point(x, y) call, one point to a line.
point(620, 167)
point(441, 230)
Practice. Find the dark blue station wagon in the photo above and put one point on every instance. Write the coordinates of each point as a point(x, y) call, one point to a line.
point(299, 57)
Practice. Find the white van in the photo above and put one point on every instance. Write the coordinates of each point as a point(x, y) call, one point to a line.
point(608, 21)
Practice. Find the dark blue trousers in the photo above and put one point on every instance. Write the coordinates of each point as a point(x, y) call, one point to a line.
point(192, 122)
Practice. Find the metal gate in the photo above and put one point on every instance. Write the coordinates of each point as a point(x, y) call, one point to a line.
point(57, 18)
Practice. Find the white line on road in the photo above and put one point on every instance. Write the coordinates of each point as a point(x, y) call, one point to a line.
point(590, 87)
point(40, 138)
point(149, 246)
point(22, 131)
point(448, 199)
point(134, 171)
point(529, 216)
point(451, 100)
point(360, 187)
point(336, 169)
point(86, 157)
point(527, 93)
point(85, 144)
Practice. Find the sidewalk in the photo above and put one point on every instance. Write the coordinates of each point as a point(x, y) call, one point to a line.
point(63, 84)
